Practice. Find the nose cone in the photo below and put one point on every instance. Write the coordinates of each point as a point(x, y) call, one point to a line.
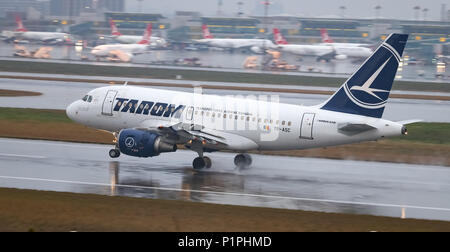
point(71, 111)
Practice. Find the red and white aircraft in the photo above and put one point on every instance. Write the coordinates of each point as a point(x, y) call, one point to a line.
point(48, 37)
point(130, 39)
point(140, 47)
point(327, 40)
point(255, 45)
point(325, 51)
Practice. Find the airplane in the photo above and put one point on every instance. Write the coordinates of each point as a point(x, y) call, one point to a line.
point(129, 39)
point(322, 51)
point(128, 49)
point(327, 40)
point(46, 37)
point(254, 45)
point(147, 122)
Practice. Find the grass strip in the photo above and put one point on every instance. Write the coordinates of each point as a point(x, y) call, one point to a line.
point(29, 210)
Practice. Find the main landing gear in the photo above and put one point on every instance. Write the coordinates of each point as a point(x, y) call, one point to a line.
point(201, 162)
point(241, 161)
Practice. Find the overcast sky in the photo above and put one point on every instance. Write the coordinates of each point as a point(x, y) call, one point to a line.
point(400, 9)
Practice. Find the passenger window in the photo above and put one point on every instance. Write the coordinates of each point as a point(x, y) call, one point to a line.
point(289, 123)
point(283, 123)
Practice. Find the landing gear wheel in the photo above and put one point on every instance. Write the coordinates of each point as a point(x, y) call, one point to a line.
point(199, 163)
point(114, 153)
point(208, 162)
point(242, 160)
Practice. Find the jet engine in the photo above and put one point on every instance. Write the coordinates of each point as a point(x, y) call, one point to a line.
point(256, 49)
point(140, 143)
point(340, 56)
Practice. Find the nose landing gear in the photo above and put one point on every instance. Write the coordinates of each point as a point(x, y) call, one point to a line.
point(114, 153)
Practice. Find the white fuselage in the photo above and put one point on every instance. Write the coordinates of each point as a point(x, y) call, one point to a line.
point(43, 36)
point(263, 125)
point(237, 43)
point(131, 49)
point(129, 39)
point(322, 49)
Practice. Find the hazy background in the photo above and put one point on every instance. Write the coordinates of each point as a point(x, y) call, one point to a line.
point(400, 9)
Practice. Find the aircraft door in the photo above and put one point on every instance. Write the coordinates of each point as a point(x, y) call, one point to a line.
point(306, 127)
point(190, 114)
point(107, 106)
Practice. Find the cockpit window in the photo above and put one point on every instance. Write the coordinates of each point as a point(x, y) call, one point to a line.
point(87, 98)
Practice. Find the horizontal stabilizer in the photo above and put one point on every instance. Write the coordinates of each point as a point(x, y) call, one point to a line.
point(405, 122)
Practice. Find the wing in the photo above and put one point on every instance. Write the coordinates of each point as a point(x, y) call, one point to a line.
point(189, 134)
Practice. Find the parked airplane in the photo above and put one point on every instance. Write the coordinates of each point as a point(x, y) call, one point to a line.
point(47, 37)
point(322, 51)
point(129, 39)
point(254, 45)
point(147, 122)
point(130, 49)
point(327, 40)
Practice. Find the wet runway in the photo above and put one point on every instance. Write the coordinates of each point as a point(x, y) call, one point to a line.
point(58, 95)
point(384, 189)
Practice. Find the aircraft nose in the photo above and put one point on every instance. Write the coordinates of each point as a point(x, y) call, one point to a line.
point(72, 111)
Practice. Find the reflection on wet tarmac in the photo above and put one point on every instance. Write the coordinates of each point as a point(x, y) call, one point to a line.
point(386, 189)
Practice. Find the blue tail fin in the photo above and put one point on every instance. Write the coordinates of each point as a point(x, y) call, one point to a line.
point(367, 90)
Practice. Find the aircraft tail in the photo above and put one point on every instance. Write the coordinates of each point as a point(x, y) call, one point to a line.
point(206, 33)
point(325, 37)
point(279, 39)
point(20, 27)
point(114, 30)
point(147, 34)
point(367, 90)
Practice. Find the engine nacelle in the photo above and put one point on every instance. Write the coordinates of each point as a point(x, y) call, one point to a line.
point(140, 143)
point(340, 57)
point(256, 49)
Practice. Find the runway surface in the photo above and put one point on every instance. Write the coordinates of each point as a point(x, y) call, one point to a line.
point(383, 189)
point(59, 94)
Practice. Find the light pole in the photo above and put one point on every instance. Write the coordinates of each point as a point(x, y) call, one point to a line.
point(416, 12)
point(425, 10)
point(140, 5)
point(343, 8)
point(377, 11)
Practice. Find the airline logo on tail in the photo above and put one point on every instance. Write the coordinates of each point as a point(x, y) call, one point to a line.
point(20, 27)
point(279, 39)
point(325, 37)
point(114, 30)
point(206, 33)
point(147, 34)
point(366, 92)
